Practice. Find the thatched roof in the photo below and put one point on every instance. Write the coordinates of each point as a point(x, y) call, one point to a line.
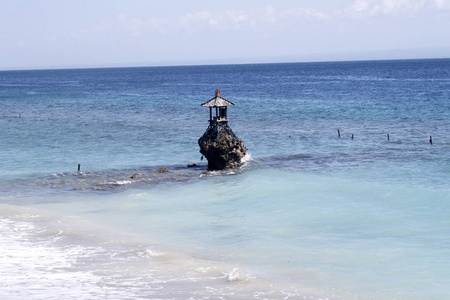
point(218, 101)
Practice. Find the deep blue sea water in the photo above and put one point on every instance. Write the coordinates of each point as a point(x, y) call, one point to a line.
point(309, 215)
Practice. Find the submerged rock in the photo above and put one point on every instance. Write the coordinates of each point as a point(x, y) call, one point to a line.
point(192, 165)
point(136, 175)
point(221, 147)
point(162, 170)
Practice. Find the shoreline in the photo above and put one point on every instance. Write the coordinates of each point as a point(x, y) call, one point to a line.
point(64, 251)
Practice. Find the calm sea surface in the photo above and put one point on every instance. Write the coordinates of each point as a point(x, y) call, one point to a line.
point(310, 215)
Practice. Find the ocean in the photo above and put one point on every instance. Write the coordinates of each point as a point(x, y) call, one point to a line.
point(344, 193)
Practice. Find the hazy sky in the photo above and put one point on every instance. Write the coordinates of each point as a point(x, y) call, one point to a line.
point(83, 33)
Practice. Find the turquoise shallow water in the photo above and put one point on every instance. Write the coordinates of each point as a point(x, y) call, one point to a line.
point(309, 215)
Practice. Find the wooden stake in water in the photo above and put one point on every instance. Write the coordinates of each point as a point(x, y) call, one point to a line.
point(388, 137)
point(352, 136)
point(431, 140)
point(339, 133)
point(79, 167)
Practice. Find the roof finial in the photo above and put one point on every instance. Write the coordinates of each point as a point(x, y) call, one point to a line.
point(217, 92)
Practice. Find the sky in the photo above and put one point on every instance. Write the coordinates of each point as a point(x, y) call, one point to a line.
point(109, 33)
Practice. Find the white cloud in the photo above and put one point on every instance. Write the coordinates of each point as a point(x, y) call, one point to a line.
point(131, 25)
point(200, 19)
point(443, 4)
point(374, 8)
point(262, 21)
point(305, 12)
point(138, 26)
point(237, 16)
point(268, 14)
point(359, 6)
point(195, 23)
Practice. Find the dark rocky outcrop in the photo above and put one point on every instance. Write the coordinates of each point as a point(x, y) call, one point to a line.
point(221, 147)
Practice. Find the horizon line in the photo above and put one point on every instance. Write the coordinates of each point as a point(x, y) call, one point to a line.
point(199, 64)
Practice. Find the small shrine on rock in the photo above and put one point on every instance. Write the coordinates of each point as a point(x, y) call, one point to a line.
point(221, 147)
point(220, 104)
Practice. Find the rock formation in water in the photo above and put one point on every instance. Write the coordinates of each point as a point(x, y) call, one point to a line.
point(221, 147)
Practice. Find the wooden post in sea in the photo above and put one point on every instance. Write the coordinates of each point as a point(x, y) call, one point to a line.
point(79, 167)
point(388, 137)
point(352, 136)
point(339, 133)
point(431, 140)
